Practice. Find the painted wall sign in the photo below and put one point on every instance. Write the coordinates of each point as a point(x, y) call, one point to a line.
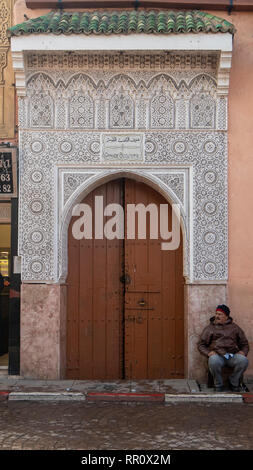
point(122, 147)
point(8, 173)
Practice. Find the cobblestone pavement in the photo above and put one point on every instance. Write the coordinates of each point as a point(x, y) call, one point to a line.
point(124, 426)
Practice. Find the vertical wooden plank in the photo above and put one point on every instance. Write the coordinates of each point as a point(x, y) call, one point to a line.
point(86, 309)
point(73, 306)
point(179, 305)
point(98, 295)
point(140, 357)
point(114, 307)
point(155, 274)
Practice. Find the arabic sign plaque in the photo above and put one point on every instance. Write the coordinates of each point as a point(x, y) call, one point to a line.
point(122, 147)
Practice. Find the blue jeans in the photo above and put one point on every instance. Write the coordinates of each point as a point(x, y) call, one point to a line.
point(239, 363)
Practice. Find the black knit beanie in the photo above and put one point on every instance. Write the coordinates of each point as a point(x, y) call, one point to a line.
point(224, 309)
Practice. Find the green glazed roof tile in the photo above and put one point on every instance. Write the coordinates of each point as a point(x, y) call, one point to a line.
point(123, 22)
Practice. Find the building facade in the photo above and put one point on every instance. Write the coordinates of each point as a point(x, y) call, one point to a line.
point(9, 309)
point(136, 113)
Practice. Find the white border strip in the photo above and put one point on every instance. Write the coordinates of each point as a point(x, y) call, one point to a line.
point(131, 42)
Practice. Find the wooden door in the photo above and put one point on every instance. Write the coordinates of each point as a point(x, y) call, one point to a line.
point(95, 299)
point(125, 299)
point(154, 307)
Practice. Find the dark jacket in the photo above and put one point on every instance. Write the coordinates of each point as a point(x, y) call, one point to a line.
point(222, 339)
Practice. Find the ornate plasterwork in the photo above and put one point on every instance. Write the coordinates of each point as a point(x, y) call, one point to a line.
point(7, 91)
point(123, 101)
point(204, 152)
point(180, 120)
point(199, 62)
point(5, 22)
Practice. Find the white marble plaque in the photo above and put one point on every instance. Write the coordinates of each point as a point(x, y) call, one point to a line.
point(122, 147)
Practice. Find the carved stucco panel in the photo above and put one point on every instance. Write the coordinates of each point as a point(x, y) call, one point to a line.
point(184, 150)
point(204, 153)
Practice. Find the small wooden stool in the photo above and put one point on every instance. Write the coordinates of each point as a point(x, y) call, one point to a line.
point(226, 372)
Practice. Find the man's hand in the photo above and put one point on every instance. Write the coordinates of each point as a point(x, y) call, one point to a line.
point(212, 353)
point(241, 352)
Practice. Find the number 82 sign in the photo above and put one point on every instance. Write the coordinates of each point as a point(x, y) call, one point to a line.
point(8, 173)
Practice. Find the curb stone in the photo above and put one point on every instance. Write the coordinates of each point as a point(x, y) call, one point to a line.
point(204, 398)
point(46, 396)
point(128, 397)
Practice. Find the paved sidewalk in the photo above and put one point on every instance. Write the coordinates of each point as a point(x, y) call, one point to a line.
point(17, 383)
point(18, 388)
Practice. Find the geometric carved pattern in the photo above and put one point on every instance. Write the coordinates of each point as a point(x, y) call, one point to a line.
point(127, 61)
point(202, 109)
point(41, 110)
point(72, 181)
point(162, 111)
point(175, 182)
point(124, 101)
point(81, 110)
point(161, 108)
point(204, 151)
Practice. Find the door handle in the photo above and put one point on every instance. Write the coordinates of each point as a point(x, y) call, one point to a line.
point(139, 320)
point(125, 279)
point(142, 302)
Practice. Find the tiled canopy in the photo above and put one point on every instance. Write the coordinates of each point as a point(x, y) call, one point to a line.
point(124, 22)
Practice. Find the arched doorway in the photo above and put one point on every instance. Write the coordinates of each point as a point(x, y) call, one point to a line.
point(125, 308)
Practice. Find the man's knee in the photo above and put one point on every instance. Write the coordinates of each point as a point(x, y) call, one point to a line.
point(241, 360)
point(215, 361)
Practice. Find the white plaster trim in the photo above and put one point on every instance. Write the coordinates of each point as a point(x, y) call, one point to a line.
point(131, 42)
point(19, 69)
point(191, 223)
point(206, 282)
point(174, 42)
point(223, 72)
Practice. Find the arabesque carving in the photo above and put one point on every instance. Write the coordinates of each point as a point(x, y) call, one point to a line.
point(173, 109)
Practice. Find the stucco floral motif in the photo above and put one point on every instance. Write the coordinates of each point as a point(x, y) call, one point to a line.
point(121, 111)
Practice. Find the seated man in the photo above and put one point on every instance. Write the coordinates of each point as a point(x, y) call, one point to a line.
point(224, 343)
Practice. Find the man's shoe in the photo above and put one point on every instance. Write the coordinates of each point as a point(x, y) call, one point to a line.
point(219, 389)
point(235, 389)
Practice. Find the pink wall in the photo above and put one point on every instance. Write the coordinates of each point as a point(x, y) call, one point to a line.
point(240, 140)
point(240, 176)
point(43, 331)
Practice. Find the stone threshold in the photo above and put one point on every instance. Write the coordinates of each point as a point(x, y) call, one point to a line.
point(128, 397)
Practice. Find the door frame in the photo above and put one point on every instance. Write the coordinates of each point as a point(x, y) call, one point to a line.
point(94, 177)
point(148, 179)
